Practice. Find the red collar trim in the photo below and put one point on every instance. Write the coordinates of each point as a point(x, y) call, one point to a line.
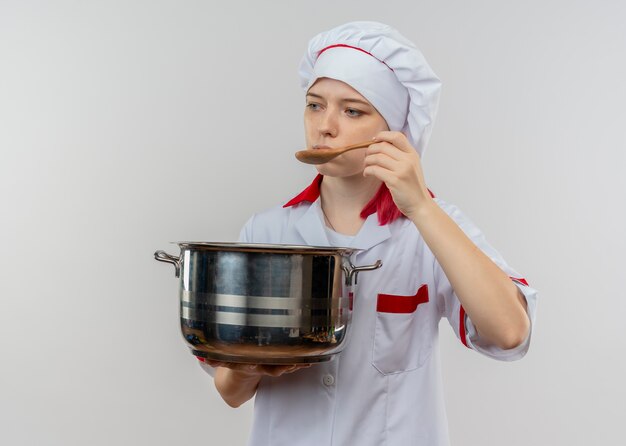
point(310, 194)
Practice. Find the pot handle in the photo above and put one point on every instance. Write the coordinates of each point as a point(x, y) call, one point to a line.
point(162, 256)
point(352, 270)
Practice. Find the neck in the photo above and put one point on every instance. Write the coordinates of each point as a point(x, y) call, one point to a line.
point(343, 199)
point(349, 192)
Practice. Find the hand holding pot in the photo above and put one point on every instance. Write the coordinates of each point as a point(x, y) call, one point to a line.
point(258, 369)
point(237, 383)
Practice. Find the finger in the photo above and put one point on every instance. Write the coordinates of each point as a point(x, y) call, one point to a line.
point(291, 369)
point(250, 367)
point(240, 367)
point(383, 161)
point(398, 139)
point(297, 367)
point(386, 148)
point(276, 370)
point(245, 368)
point(384, 175)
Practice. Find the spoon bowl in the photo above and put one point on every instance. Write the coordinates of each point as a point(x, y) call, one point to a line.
point(323, 155)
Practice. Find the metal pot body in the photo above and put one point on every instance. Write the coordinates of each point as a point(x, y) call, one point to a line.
point(272, 304)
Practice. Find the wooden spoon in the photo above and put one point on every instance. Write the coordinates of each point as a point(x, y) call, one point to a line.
point(323, 155)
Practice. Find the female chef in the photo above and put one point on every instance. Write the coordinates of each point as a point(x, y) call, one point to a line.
point(363, 80)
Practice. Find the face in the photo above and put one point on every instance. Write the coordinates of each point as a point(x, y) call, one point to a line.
point(337, 115)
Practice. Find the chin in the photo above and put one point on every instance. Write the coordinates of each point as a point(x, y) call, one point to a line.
point(334, 170)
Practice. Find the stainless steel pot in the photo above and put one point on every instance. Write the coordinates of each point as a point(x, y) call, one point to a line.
point(265, 304)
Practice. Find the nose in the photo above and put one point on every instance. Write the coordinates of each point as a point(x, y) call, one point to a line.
point(328, 124)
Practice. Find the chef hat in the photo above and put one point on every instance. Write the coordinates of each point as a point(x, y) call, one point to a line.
point(384, 67)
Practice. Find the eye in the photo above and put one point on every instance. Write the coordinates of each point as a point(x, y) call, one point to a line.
point(353, 112)
point(313, 106)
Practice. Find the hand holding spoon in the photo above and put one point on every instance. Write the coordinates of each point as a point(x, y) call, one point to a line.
point(325, 154)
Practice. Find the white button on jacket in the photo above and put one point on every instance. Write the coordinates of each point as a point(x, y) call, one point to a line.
point(329, 380)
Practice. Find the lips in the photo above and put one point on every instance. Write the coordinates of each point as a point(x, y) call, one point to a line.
point(321, 146)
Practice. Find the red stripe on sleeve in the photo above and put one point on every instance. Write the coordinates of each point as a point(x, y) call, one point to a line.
point(462, 333)
point(520, 280)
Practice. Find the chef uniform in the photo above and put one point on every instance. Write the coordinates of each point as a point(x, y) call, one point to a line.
point(385, 388)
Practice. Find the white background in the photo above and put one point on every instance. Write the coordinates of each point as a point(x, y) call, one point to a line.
point(125, 125)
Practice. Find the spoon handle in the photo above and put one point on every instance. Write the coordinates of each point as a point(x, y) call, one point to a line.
point(358, 145)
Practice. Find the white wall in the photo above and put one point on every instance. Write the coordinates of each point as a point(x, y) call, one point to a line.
point(125, 125)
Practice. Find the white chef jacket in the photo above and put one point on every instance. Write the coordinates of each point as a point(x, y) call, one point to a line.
point(385, 388)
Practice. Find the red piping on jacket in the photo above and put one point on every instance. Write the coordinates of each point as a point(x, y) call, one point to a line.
point(390, 212)
point(391, 303)
point(462, 333)
point(342, 45)
point(462, 326)
point(519, 280)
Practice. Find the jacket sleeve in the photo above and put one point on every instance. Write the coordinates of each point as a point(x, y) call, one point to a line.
point(454, 312)
point(246, 233)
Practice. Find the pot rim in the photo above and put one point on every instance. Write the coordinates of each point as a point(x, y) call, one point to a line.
point(267, 248)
